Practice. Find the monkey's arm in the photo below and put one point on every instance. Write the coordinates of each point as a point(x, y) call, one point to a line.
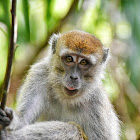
point(101, 123)
point(32, 98)
point(53, 130)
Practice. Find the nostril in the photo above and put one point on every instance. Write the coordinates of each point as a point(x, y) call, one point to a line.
point(73, 78)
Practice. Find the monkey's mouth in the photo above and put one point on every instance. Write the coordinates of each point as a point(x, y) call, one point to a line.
point(71, 91)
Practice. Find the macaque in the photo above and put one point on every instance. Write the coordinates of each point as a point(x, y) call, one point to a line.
point(66, 89)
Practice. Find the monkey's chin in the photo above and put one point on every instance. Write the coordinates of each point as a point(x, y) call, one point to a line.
point(70, 92)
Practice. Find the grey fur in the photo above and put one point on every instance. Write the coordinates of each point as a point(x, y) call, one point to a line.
point(53, 41)
point(41, 94)
point(105, 50)
point(52, 130)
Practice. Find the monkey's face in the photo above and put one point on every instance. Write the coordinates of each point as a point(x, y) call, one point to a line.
point(76, 70)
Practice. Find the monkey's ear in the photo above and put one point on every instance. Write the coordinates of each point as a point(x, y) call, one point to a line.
point(105, 51)
point(53, 41)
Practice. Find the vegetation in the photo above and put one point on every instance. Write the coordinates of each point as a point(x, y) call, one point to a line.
point(116, 23)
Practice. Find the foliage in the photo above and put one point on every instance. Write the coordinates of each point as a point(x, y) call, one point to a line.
point(116, 23)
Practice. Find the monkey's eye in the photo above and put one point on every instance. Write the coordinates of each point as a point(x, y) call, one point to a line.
point(84, 62)
point(69, 59)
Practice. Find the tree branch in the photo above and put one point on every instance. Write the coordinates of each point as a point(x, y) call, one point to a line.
point(5, 88)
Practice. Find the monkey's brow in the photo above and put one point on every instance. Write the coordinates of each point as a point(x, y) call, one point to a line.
point(64, 51)
point(93, 59)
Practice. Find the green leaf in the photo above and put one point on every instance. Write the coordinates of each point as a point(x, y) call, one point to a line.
point(26, 18)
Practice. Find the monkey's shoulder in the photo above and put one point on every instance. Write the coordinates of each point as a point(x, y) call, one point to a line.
point(40, 68)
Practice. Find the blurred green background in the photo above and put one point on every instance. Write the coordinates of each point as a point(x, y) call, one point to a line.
point(115, 22)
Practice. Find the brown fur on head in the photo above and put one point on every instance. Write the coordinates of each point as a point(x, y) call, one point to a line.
point(81, 42)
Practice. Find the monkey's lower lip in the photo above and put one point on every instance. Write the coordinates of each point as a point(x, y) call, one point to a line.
point(69, 88)
point(70, 91)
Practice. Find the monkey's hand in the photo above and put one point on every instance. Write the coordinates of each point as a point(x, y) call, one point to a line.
point(81, 132)
point(6, 117)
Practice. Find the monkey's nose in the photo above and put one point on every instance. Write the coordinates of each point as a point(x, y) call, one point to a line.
point(73, 78)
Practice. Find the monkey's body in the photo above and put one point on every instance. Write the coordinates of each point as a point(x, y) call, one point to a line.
point(43, 93)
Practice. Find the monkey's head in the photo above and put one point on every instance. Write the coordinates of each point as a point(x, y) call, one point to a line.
point(77, 62)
